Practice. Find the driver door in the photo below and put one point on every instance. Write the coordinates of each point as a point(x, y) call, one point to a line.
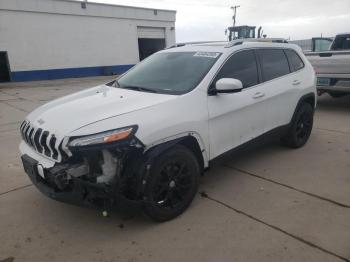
point(235, 118)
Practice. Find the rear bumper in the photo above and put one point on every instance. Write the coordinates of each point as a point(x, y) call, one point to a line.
point(339, 89)
point(334, 75)
point(337, 84)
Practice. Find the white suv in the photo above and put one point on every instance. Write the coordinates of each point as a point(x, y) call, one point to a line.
point(149, 135)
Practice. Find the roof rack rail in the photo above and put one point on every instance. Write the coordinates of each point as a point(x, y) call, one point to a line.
point(252, 40)
point(194, 43)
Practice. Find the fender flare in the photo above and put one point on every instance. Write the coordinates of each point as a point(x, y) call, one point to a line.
point(168, 142)
point(306, 97)
point(302, 100)
point(153, 151)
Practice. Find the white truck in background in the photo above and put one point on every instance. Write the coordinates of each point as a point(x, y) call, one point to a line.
point(332, 66)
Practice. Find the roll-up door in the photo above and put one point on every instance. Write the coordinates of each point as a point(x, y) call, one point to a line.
point(150, 32)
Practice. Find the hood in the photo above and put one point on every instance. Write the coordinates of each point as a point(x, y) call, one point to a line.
point(66, 114)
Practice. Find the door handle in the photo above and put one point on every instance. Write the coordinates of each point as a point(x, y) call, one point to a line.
point(296, 82)
point(258, 95)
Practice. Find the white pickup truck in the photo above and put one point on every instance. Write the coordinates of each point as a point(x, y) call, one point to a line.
point(332, 66)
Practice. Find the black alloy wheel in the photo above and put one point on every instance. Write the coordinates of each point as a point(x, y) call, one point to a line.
point(301, 127)
point(172, 184)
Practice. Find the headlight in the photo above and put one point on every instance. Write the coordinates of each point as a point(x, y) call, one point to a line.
point(104, 137)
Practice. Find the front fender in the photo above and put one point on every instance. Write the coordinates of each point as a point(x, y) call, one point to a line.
point(165, 143)
point(156, 149)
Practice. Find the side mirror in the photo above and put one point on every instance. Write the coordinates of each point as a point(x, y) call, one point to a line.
point(228, 85)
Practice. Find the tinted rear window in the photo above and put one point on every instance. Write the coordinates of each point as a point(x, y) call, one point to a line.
point(274, 63)
point(341, 43)
point(294, 60)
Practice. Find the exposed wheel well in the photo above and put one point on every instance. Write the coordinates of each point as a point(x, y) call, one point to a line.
point(309, 99)
point(191, 143)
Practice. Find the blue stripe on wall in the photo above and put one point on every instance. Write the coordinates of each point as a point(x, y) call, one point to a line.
point(68, 72)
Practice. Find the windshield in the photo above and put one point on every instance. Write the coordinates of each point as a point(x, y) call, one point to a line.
point(170, 73)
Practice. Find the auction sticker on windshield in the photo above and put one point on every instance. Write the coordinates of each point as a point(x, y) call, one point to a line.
point(207, 54)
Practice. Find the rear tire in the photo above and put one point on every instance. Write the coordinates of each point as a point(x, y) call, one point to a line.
point(172, 184)
point(300, 128)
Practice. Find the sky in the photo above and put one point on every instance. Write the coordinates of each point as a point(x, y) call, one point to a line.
point(202, 20)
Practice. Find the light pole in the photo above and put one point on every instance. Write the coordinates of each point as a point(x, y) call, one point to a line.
point(234, 8)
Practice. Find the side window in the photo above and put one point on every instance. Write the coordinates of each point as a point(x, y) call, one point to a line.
point(273, 63)
point(321, 44)
point(341, 43)
point(241, 66)
point(294, 59)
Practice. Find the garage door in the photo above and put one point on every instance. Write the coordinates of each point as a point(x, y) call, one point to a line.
point(150, 32)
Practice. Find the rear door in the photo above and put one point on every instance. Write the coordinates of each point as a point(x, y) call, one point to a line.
point(235, 118)
point(281, 86)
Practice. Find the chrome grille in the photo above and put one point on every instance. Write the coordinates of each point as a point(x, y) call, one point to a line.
point(41, 141)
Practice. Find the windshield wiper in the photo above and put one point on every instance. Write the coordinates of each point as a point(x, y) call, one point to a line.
point(139, 88)
point(116, 84)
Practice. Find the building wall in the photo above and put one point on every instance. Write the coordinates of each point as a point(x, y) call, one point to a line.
point(305, 44)
point(48, 39)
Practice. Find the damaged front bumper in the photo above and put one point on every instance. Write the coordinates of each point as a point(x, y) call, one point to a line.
point(93, 177)
point(79, 192)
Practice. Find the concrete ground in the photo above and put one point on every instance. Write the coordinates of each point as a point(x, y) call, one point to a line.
point(268, 204)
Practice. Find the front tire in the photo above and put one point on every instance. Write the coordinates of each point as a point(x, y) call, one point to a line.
point(172, 184)
point(300, 128)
